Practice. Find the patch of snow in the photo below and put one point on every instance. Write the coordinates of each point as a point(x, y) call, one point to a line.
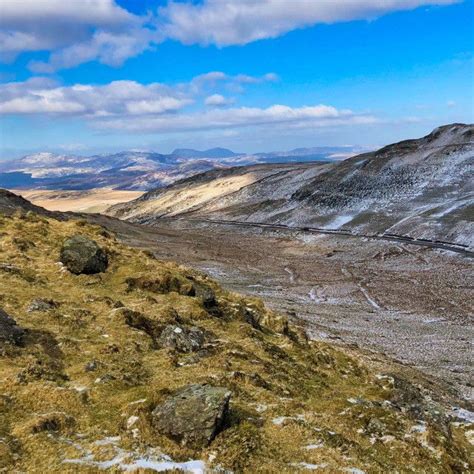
point(463, 414)
point(291, 273)
point(311, 467)
point(339, 221)
point(310, 447)
point(130, 462)
point(131, 421)
point(368, 298)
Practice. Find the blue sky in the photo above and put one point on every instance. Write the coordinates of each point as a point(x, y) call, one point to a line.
point(249, 75)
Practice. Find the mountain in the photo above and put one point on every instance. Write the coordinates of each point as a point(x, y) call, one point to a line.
point(211, 153)
point(137, 170)
point(11, 203)
point(422, 188)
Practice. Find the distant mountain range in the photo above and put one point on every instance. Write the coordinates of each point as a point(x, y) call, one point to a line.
point(140, 170)
point(423, 188)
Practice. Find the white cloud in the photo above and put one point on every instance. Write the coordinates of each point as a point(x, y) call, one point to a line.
point(128, 106)
point(215, 119)
point(237, 22)
point(73, 31)
point(116, 98)
point(77, 31)
point(217, 100)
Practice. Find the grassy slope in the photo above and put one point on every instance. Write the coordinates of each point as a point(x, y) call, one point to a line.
point(287, 395)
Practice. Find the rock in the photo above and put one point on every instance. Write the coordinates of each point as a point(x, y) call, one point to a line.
point(181, 339)
point(40, 304)
point(206, 294)
point(82, 255)
point(10, 332)
point(194, 415)
point(91, 366)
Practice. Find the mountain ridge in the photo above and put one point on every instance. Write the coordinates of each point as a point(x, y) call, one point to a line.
point(420, 187)
point(139, 170)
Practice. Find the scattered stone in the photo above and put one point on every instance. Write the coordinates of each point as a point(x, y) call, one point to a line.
point(194, 415)
point(43, 305)
point(91, 366)
point(82, 255)
point(181, 339)
point(10, 332)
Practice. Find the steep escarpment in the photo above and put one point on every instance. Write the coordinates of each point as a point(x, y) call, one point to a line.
point(113, 360)
point(422, 188)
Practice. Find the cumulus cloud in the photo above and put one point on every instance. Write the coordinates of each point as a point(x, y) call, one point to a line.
point(237, 22)
point(75, 32)
point(42, 95)
point(155, 108)
point(217, 100)
point(39, 96)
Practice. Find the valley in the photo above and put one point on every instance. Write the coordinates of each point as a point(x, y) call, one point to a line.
point(95, 200)
point(409, 302)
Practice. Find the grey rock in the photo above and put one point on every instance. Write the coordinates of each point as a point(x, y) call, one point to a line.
point(206, 294)
point(194, 415)
point(10, 332)
point(181, 338)
point(82, 255)
point(40, 304)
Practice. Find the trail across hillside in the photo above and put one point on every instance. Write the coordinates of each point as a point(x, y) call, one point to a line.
point(451, 246)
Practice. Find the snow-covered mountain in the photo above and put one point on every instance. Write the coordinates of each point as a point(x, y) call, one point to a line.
point(423, 188)
point(137, 170)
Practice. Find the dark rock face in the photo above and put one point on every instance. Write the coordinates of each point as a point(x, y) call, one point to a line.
point(194, 415)
point(82, 255)
point(181, 339)
point(10, 332)
point(206, 294)
point(139, 321)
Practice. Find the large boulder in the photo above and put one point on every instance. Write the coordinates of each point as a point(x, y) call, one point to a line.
point(181, 338)
point(82, 255)
point(10, 332)
point(194, 415)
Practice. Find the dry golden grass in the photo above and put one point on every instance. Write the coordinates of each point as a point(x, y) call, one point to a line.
point(95, 200)
point(295, 405)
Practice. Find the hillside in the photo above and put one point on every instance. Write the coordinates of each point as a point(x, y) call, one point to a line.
point(422, 188)
point(95, 368)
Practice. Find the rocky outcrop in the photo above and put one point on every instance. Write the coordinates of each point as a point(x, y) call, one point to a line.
point(82, 255)
point(194, 415)
point(181, 338)
point(10, 332)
